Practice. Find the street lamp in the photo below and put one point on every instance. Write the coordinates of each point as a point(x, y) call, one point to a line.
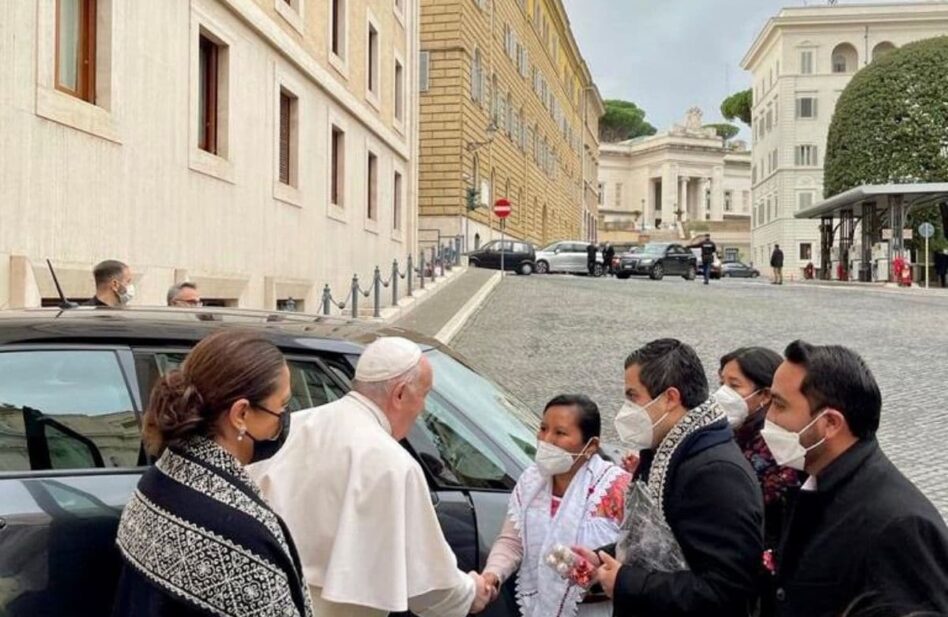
point(491, 133)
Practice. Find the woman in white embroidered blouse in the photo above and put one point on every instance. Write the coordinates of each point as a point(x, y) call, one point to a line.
point(569, 496)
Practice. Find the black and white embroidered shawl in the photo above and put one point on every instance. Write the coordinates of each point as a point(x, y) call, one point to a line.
point(197, 539)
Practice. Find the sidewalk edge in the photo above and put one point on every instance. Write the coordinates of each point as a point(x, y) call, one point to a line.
point(454, 325)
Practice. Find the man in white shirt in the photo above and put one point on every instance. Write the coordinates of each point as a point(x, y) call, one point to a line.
point(358, 505)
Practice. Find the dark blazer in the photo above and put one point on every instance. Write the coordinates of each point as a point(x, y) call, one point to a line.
point(776, 259)
point(714, 507)
point(866, 535)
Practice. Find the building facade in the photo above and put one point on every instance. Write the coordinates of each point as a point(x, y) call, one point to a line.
point(508, 109)
point(682, 179)
point(800, 63)
point(260, 148)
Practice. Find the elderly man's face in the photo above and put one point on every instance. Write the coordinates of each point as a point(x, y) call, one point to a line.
point(187, 297)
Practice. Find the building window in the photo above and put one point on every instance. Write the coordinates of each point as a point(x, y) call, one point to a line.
point(288, 138)
point(209, 65)
point(397, 202)
point(75, 48)
point(477, 79)
point(770, 119)
point(399, 92)
point(338, 171)
point(806, 107)
point(424, 71)
point(845, 58)
point(618, 195)
point(372, 187)
point(804, 200)
point(400, 7)
point(338, 29)
point(805, 156)
point(882, 49)
point(372, 68)
point(806, 251)
point(806, 62)
point(728, 201)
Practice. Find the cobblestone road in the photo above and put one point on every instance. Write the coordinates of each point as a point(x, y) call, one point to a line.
point(542, 335)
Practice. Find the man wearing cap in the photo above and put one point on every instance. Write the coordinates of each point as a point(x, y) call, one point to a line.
point(358, 505)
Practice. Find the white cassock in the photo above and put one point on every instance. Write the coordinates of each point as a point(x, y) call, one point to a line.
point(359, 509)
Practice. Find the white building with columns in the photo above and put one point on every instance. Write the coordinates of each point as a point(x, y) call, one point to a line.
point(800, 63)
point(686, 174)
point(260, 148)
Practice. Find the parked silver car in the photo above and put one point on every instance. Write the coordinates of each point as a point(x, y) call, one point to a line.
point(567, 256)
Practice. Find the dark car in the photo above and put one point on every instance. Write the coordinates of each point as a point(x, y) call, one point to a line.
point(734, 269)
point(656, 259)
point(519, 257)
point(73, 385)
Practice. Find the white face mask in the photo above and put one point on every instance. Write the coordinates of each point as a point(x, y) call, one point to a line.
point(552, 460)
point(635, 426)
point(785, 445)
point(128, 295)
point(733, 404)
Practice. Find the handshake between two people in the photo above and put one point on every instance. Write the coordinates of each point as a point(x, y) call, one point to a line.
point(578, 564)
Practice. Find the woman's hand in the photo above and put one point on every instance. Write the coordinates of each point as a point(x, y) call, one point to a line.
point(493, 585)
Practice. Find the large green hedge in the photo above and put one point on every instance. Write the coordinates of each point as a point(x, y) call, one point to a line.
point(891, 123)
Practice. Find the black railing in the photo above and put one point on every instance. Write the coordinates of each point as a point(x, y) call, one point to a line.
point(441, 257)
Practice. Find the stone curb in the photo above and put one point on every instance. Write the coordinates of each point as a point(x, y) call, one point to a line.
point(454, 325)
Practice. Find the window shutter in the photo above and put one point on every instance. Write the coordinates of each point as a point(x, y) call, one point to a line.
point(284, 138)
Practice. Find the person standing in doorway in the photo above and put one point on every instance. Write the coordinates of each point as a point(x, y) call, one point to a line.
point(113, 284)
point(708, 250)
point(776, 262)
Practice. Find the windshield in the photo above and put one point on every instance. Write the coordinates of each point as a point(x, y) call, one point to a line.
point(654, 249)
point(551, 248)
point(508, 421)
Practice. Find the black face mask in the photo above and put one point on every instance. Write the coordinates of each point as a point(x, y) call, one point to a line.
point(266, 448)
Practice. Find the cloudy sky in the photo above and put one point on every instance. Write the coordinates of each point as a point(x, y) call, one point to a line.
point(668, 55)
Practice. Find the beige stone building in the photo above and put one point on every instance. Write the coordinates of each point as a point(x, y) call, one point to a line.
point(508, 109)
point(676, 183)
point(261, 148)
point(800, 63)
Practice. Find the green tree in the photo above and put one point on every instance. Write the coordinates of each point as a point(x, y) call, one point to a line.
point(891, 126)
point(623, 120)
point(738, 106)
point(724, 130)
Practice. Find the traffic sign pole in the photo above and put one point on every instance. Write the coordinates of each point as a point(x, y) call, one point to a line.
point(926, 230)
point(502, 211)
point(503, 226)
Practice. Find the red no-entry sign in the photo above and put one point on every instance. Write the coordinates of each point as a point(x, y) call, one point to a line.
point(502, 208)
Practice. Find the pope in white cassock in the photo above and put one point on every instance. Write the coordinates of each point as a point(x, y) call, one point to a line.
point(357, 504)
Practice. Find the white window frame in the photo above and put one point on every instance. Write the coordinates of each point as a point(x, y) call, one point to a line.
point(397, 100)
point(373, 92)
point(220, 165)
point(372, 147)
point(340, 63)
point(400, 7)
point(424, 71)
point(292, 193)
point(807, 65)
point(292, 12)
point(813, 107)
point(809, 194)
point(398, 233)
point(806, 155)
point(334, 211)
point(102, 119)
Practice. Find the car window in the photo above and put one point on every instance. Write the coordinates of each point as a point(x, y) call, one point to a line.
point(520, 247)
point(310, 386)
point(65, 410)
point(552, 248)
point(654, 249)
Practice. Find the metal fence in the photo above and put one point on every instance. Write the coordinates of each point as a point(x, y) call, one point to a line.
point(443, 257)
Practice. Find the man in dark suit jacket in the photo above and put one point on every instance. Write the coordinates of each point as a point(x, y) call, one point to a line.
point(776, 262)
point(708, 493)
point(860, 536)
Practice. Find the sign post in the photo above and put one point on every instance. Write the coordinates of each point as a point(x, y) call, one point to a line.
point(502, 210)
point(926, 230)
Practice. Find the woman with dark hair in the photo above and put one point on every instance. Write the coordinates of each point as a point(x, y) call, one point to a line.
point(196, 538)
point(569, 496)
point(746, 376)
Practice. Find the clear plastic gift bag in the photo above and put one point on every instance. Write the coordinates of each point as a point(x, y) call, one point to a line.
point(645, 539)
point(571, 566)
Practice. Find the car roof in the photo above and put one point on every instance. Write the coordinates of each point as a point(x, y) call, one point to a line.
point(186, 326)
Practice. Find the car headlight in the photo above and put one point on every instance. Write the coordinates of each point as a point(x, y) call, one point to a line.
point(646, 262)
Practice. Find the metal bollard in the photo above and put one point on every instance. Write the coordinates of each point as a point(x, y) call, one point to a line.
point(457, 251)
point(394, 282)
point(327, 299)
point(355, 295)
point(410, 272)
point(377, 284)
point(421, 271)
point(434, 262)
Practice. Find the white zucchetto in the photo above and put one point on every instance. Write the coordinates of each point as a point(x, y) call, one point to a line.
point(387, 358)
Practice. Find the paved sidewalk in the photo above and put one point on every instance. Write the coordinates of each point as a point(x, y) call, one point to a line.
point(432, 315)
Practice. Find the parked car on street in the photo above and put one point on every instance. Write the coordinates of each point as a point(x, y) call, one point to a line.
point(656, 259)
point(567, 256)
point(73, 387)
point(623, 249)
point(734, 269)
point(519, 257)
